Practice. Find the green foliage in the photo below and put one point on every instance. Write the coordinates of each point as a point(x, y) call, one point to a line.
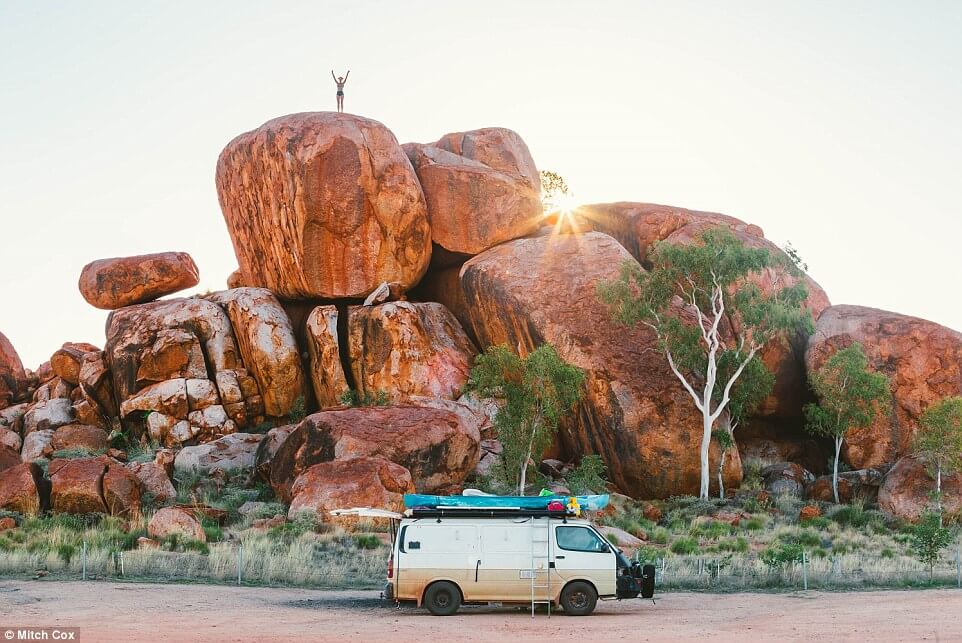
point(711, 529)
point(143, 451)
point(796, 259)
point(212, 530)
point(929, 538)
point(684, 546)
point(367, 541)
point(553, 189)
point(350, 397)
point(939, 443)
point(849, 394)
point(298, 410)
point(779, 554)
point(713, 276)
point(261, 428)
point(179, 543)
point(77, 452)
point(588, 477)
point(538, 391)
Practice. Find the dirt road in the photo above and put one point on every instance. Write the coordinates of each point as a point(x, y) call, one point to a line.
point(109, 611)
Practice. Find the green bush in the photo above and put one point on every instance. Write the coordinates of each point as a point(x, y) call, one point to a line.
point(588, 477)
point(753, 524)
point(684, 546)
point(212, 530)
point(778, 554)
point(298, 410)
point(736, 545)
point(660, 536)
point(367, 541)
point(712, 529)
point(351, 397)
point(929, 539)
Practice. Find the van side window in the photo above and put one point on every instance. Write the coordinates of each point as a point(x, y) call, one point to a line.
point(579, 539)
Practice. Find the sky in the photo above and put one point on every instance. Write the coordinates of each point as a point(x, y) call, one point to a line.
point(834, 125)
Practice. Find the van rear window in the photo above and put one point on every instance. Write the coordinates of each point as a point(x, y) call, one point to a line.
point(579, 539)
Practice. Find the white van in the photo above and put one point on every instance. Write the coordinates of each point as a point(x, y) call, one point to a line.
point(445, 558)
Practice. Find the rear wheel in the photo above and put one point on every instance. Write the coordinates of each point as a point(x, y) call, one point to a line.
point(578, 598)
point(442, 598)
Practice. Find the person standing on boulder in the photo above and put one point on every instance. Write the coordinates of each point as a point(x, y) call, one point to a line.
point(341, 81)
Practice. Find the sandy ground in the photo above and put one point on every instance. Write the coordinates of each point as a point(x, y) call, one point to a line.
point(108, 611)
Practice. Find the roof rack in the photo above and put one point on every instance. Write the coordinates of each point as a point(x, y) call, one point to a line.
point(485, 512)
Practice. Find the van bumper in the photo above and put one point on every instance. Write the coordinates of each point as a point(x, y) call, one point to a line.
point(389, 591)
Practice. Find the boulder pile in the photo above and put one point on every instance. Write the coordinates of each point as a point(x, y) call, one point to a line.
point(370, 274)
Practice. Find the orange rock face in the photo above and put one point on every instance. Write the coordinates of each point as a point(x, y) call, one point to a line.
point(482, 188)
point(79, 436)
point(436, 445)
point(174, 520)
point(266, 340)
point(323, 205)
point(922, 360)
point(23, 489)
point(122, 281)
point(639, 226)
point(12, 376)
point(906, 489)
point(76, 485)
point(634, 413)
point(407, 349)
point(354, 482)
point(153, 480)
point(66, 361)
point(323, 345)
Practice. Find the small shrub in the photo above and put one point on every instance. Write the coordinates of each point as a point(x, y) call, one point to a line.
point(929, 539)
point(684, 546)
point(819, 522)
point(351, 397)
point(298, 410)
point(649, 554)
point(752, 474)
point(778, 555)
point(367, 541)
point(66, 551)
point(735, 545)
point(77, 452)
point(753, 524)
point(588, 476)
point(212, 530)
point(712, 529)
point(888, 552)
point(660, 536)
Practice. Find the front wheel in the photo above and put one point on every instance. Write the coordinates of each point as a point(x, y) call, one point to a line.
point(578, 599)
point(442, 598)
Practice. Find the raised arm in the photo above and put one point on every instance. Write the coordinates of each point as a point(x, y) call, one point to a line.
point(346, 75)
point(333, 76)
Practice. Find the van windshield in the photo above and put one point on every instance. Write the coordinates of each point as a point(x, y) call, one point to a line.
point(580, 539)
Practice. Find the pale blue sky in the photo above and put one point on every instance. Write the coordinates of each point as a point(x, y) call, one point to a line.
point(835, 125)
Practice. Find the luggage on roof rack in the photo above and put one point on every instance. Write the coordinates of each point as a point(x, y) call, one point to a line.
point(485, 512)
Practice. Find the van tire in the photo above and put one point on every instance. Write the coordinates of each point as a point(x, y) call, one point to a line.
point(443, 598)
point(578, 598)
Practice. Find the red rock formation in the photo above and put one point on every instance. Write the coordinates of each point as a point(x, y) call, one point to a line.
point(634, 413)
point(123, 281)
point(267, 346)
point(23, 489)
point(353, 482)
point(639, 226)
point(96, 383)
point(268, 448)
point(175, 520)
point(922, 360)
point(436, 445)
point(8, 457)
point(12, 376)
point(482, 188)
point(153, 480)
point(76, 485)
point(66, 361)
point(323, 205)
point(323, 345)
point(122, 491)
point(79, 436)
point(231, 453)
point(907, 487)
point(407, 349)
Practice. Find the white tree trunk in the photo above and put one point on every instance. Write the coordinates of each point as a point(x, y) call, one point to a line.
point(938, 490)
point(721, 480)
point(838, 449)
point(705, 444)
point(524, 467)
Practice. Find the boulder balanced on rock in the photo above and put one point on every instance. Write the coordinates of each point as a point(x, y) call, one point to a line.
point(123, 281)
point(323, 205)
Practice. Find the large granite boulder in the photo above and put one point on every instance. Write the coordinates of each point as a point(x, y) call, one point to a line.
point(175, 520)
point(153, 480)
point(232, 453)
point(323, 345)
point(80, 436)
point(123, 281)
point(922, 360)
point(268, 448)
point(324, 205)
point(907, 488)
point(267, 346)
point(436, 445)
point(353, 482)
point(634, 412)
point(405, 349)
point(66, 361)
point(24, 489)
point(482, 188)
point(48, 415)
point(13, 378)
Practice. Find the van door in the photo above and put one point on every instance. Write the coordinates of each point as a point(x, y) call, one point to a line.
point(429, 551)
point(503, 568)
point(580, 553)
